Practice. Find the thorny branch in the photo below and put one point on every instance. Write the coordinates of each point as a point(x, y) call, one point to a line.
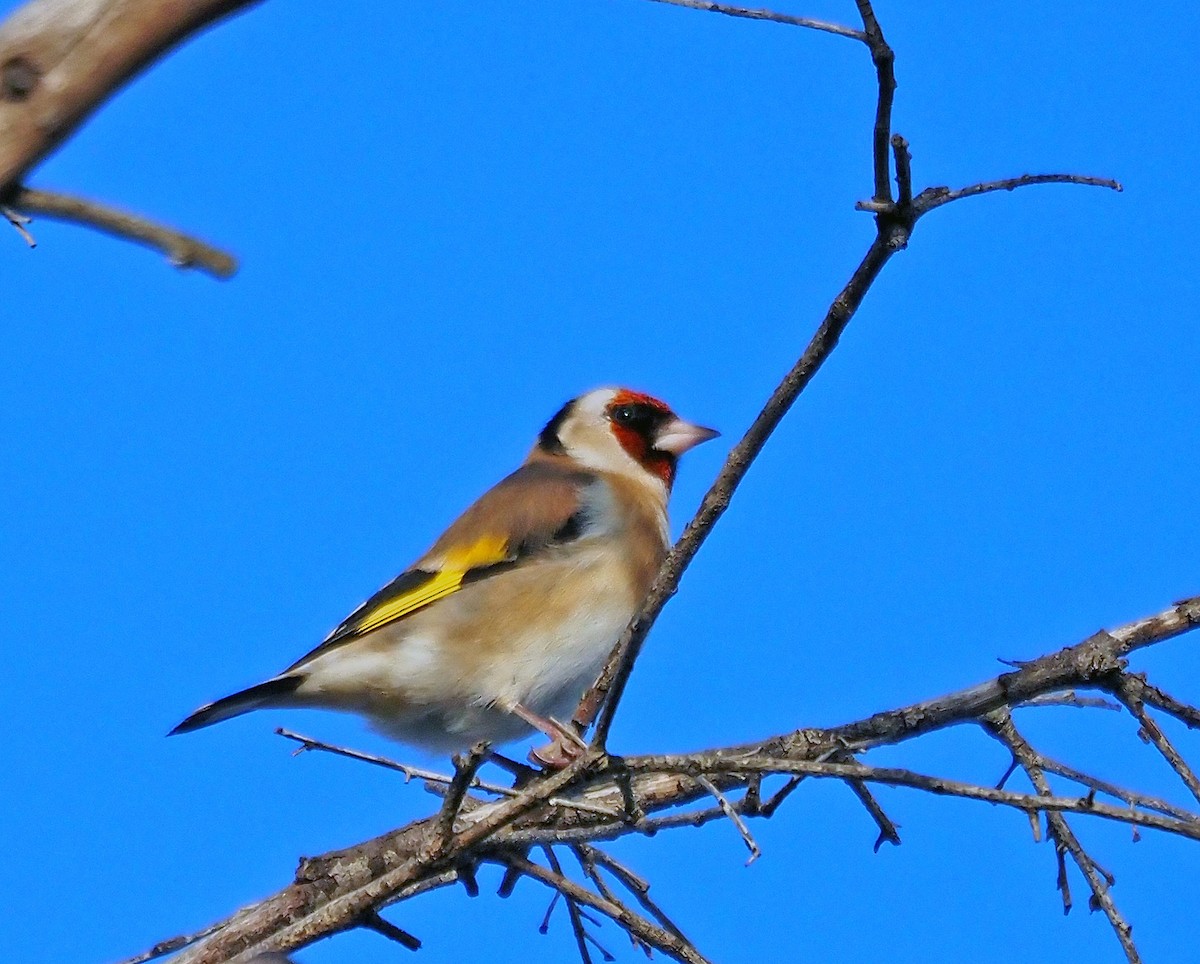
point(61, 60)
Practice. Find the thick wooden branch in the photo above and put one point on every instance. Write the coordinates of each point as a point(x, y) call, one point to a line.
point(62, 59)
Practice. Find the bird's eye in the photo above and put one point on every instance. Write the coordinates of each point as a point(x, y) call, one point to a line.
point(624, 414)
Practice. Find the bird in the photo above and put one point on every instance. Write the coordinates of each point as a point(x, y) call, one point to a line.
point(501, 626)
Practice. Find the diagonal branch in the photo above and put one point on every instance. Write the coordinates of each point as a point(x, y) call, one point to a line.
point(1000, 725)
point(1129, 692)
point(657, 937)
point(749, 13)
point(182, 250)
point(61, 59)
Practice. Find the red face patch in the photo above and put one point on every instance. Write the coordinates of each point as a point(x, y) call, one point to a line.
point(636, 419)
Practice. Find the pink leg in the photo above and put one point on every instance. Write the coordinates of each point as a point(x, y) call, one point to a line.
point(565, 745)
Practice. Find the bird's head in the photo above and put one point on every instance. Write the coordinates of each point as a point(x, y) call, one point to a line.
point(620, 430)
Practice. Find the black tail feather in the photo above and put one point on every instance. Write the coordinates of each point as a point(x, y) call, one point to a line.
point(273, 692)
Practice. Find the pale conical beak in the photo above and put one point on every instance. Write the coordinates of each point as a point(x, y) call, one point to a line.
point(677, 436)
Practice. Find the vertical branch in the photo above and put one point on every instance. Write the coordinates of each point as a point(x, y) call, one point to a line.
point(884, 59)
point(891, 238)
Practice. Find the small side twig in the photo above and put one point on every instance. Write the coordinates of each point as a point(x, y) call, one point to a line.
point(734, 817)
point(372, 921)
point(887, 828)
point(182, 250)
point(649, 933)
point(884, 60)
point(1129, 692)
point(465, 768)
point(1000, 725)
point(904, 189)
point(1131, 797)
point(1070, 698)
point(582, 937)
point(1152, 695)
point(590, 857)
point(770, 15)
point(935, 197)
point(18, 221)
point(430, 776)
point(171, 945)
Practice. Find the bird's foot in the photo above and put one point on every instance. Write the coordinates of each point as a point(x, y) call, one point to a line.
point(565, 746)
point(557, 755)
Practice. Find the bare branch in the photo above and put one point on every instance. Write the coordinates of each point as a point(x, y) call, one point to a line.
point(374, 922)
point(884, 60)
point(182, 250)
point(1138, 688)
point(734, 817)
point(411, 772)
point(713, 764)
point(935, 197)
point(760, 14)
point(1129, 692)
point(657, 937)
point(171, 945)
point(1001, 726)
point(465, 768)
point(611, 685)
point(332, 892)
point(18, 221)
point(61, 59)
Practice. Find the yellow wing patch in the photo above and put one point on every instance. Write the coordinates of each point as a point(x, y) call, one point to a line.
point(445, 582)
point(482, 552)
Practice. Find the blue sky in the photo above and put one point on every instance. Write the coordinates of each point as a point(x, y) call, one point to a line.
point(454, 216)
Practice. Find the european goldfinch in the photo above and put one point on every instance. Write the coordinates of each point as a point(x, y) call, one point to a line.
point(503, 624)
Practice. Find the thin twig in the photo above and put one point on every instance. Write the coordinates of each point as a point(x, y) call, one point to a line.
point(1070, 698)
point(465, 768)
point(734, 817)
point(374, 922)
point(171, 945)
point(1131, 797)
point(884, 60)
point(18, 221)
point(768, 809)
point(657, 937)
point(634, 883)
point(887, 829)
point(1000, 725)
point(182, 250)
point(935, 197)
point(430, 776)
point(1128, 692)
point(1136, 685)
point(577, 927)
point(711, 765)
point(760, 14)
point(904, 188)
